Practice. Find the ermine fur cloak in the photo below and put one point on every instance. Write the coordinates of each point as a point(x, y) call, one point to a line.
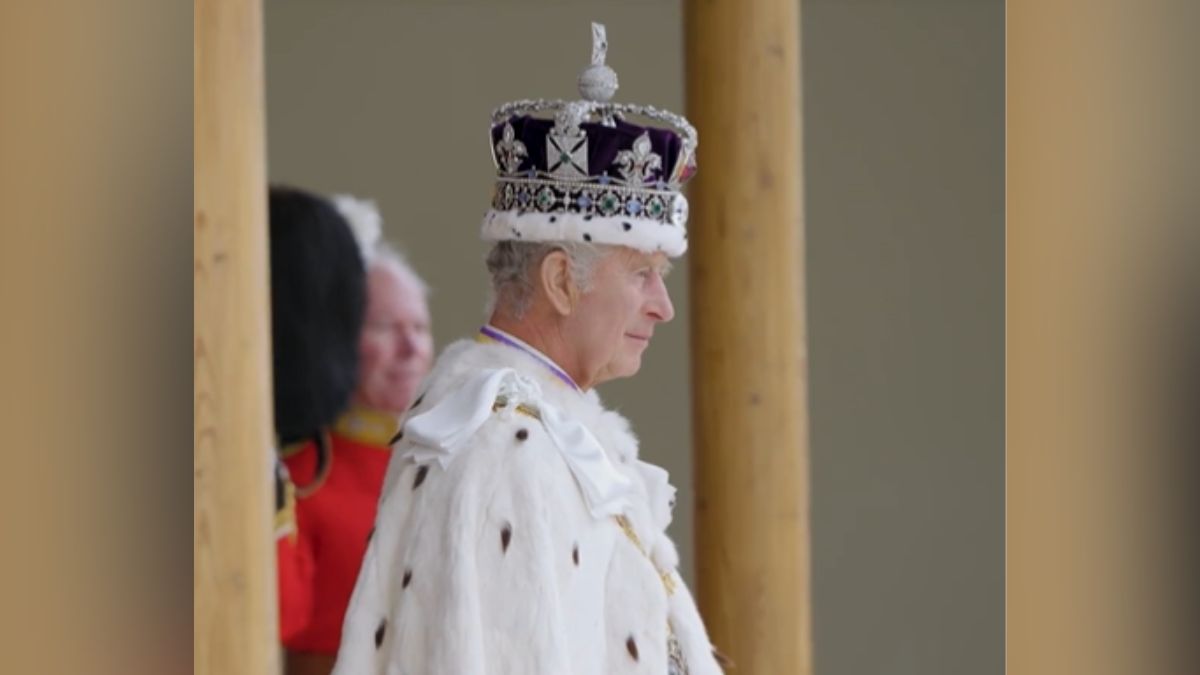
point(499, 545)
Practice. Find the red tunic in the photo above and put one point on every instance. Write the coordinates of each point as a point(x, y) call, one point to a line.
point(335, 511)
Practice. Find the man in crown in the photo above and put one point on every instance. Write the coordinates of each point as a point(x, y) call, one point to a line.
point(518, 531)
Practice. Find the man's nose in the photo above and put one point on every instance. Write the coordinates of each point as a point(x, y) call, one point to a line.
point(660, 308)
point(406, 342)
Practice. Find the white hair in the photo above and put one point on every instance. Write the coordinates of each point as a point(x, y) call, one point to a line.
point(513, 266)
point(383, 255)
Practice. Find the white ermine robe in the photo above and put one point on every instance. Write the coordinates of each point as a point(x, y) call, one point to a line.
point(497, 547)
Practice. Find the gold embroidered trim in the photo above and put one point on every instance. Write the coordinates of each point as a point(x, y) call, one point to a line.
point(285, 518)
point(676, 660)
point(367, 426)
point(527, 410)
point(668, 580)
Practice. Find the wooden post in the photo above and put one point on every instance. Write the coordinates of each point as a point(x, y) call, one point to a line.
point(235, 623)
point(749, 360)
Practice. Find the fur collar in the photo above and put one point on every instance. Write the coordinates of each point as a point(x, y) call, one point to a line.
point(464, 358)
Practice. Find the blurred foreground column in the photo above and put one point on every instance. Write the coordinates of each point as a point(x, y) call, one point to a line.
point(235, 624)
point(749, 361)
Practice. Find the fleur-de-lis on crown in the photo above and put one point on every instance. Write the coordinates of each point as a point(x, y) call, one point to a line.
point(636, 165)
point(509, 150)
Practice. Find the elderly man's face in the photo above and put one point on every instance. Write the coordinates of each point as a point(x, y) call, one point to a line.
point(617, 316)
point(396, 346)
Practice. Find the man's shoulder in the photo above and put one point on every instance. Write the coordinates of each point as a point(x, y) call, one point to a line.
point(510, 446)
point(463, 356)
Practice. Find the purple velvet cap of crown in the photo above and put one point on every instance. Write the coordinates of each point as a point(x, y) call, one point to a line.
point(603, 145)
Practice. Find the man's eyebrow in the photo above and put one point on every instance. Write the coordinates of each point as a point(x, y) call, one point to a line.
point(665, 268)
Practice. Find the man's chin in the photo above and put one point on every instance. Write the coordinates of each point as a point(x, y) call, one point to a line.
point(619, 370)
point(403, 390)
point(397, 405)
point(630, 366)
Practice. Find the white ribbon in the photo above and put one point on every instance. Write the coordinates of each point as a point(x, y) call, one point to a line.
point(439, 433)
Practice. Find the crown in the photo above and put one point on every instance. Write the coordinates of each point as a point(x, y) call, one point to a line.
point(583, 171)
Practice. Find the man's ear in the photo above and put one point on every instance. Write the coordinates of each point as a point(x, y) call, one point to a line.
point(554, 276)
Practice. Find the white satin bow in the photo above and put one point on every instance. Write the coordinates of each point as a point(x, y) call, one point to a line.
point(443, 430)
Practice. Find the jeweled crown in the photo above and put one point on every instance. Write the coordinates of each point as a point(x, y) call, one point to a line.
point(582, 171)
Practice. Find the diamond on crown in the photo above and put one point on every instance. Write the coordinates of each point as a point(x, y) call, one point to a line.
point(509, 150)
point(636, 166)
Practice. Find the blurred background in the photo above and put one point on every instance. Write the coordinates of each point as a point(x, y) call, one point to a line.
point(904, 163)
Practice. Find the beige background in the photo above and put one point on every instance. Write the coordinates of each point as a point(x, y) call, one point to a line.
point(904, 186)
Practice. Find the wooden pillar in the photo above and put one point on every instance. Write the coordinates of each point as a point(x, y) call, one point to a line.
point(749, 361)
point(235, 623)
